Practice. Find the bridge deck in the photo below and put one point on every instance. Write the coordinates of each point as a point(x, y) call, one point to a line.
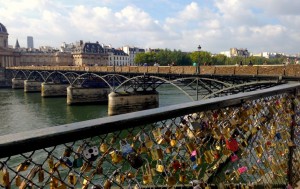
point(264, 70)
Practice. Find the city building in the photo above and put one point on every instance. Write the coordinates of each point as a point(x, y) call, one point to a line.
point(239, 52)
point(30, 42)
point(132, 51)
point(7, 55)
point(117, 57)
point(89, 54)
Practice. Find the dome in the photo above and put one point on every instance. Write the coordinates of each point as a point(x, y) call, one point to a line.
point(3, 29)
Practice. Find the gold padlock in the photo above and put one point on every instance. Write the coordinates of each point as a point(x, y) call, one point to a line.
point(18, 180)
point(259, 151)
point(191, 147)
point(72, 179)
point(182, 178)
point(116, 156)
point(208, 156)
point(86, 167)
point(103, 147)
point(4, 177)
point(159, 166)
point(41, 175)
point(23, 166)
point(157, 154)
point(107, 184)
point(171, 180)
point(50, 162)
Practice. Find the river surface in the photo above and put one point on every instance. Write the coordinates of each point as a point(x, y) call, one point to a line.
point(28, 111)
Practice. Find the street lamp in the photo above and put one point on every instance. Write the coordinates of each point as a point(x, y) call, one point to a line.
point(198, 62)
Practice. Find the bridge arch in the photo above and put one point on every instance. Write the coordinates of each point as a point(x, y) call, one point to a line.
point(56, 76)
point(36, 75)
point(77, 80)
point(154, 81)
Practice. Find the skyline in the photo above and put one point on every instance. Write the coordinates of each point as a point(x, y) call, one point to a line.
point(259, 25)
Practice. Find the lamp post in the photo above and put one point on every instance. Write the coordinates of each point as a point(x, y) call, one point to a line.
point(198, 62)
point(198, 72)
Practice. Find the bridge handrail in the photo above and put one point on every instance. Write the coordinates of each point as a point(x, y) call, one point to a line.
point(22, 142)
point(256, 70)
point(169, 119)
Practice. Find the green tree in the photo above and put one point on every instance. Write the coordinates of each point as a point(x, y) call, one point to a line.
point(219, 59)
point(202, 57)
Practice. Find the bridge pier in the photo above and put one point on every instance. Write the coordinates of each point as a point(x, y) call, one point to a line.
point(17, 83)
point(79, 95)
point(54, 89)
point(120, 103)
point(32, 86)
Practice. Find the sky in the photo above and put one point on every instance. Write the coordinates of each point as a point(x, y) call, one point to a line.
point(215, 25)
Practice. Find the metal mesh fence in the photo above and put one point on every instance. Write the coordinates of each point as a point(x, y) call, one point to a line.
point(247, 145)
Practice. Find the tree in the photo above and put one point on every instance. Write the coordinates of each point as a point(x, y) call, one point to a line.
point(219, 59)
point(201, 57)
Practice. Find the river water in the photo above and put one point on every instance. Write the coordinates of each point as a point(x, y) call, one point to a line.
point(28, 111)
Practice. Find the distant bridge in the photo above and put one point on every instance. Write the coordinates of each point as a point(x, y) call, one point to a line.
point(210, 81)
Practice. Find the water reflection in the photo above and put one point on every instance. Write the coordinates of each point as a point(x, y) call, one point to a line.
point(27, 111)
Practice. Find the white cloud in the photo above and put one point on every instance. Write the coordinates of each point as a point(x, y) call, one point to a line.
point(217, 25)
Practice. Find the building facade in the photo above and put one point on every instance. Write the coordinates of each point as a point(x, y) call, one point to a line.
point(132, 51)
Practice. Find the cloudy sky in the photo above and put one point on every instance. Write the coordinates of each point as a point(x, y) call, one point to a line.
point(216, 25)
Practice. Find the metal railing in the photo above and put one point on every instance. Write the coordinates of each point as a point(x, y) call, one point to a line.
point(248, 139)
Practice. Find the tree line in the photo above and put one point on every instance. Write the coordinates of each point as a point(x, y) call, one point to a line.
point(166, 57)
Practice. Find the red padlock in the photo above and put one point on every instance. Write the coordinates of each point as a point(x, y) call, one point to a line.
point(232, 145)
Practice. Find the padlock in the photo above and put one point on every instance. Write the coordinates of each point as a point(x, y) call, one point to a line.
point(18, 180)
point(234, 157)
point(50, 162)
point(157, 153)
point(86, 182)
point(78, 161)
point(41, 175)
point(173, 141)
point(72, 179)
point(23, 166)
point(182, 178)
point(86, 167)
point(147, 175)
point(107, 184)
point(159, 166)
point(120, 178)
point(242, 169)
point(179, 134)
point(232, 144)
point(259, 151)
point(135, 160)
point(66, 162)
point(67, 152)
point(91, 153)
point(156, 133)
point(170, 179)
point(125, 148)
point(209, 158)
point(190, 146)
point(103, 147)
point(4, 177)
point(116, 156)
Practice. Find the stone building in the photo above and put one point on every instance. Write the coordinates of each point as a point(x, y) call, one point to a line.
point(89, 54)
point(7, 55)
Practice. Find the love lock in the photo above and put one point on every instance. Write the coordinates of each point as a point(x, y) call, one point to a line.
point(91, 153)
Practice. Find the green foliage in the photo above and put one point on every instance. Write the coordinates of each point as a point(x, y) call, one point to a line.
point(167, 57)
point(164, 57)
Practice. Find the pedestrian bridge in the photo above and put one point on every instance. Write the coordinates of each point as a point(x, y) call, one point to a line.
point(138, 84)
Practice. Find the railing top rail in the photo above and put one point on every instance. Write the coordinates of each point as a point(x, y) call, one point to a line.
point(13, 144)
